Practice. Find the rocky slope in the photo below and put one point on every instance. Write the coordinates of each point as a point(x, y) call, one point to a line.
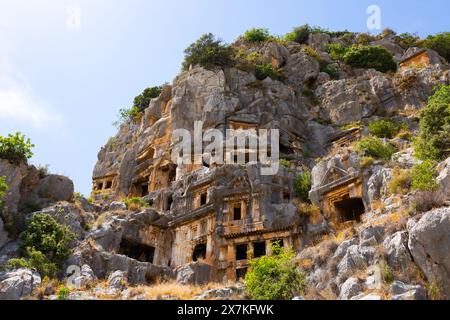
point(395, 251)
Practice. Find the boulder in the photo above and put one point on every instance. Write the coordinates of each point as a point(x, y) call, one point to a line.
point(118, 280)
point(319, 41)
point(377, 185)
point(18, 284)
point(343, 247)
point(351, 288)
point(444, 177)
point(86, 276)
point(117, 206)
point(301, 68)
point(56, 187)
point(194, 273)
point(429, 244)
point(402, 291)
point(398, 255)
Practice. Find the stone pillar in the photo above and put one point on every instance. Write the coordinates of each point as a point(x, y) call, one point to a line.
point(231, 255)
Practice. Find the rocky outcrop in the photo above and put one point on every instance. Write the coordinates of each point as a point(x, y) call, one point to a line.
point(195, 273)
point(30, 191)
point(429, 244)
point(18, 284)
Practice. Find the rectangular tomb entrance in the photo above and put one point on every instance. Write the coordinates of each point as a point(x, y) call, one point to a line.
point(136, 250)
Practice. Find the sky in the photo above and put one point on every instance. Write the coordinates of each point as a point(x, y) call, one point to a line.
point(67, 67)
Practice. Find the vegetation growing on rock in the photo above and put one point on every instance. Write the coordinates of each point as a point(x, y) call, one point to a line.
point(275, 277)
point(434, 139)
point(15, 148)
point(45, 245)
point(208, 52)
point(375, 147)
point(375, 57)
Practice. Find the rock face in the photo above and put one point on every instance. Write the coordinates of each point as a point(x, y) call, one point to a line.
point(194, 273)
point(29, 191)
point(18, 284)
point(429, 244)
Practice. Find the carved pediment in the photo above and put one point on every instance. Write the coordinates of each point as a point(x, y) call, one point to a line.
point(333, 173)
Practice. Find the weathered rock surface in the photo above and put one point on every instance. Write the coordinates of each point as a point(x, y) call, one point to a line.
point(18, 284)
point(429, 244)
point(194, 273)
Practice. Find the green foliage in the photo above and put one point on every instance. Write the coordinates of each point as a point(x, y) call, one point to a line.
point(46, 243)
point(142, 101)
point(208, 52)
point(310, 51)
point(365, 38)
point(15, 148)
point(311, 97)
point(16, 263)
point(257, 35)
point(375, 147)
point(127, 115)
point(299, 34)
point(375, 57)
point(135, 203)
point(383, 129)
point(440, 43)
point(332, 71)
point(302, 185)
point(285, 163)
point(263, 71)
point(386, 272)
point(434, 138)
point(3, 188)
point(423, 176)
point(366, 162)
point(400, 181)
point(275, 277)
point(407, 40)
point(63, 293)
point(337, 51)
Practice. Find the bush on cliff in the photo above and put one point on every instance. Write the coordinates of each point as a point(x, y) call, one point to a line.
point(383, 129)
point(440, 43)
point(262, 71)
point(302, 185)
point(375, 147)
point(45, 245)
point(257, 35)
point(15, 148)
point(434, 139)
point(299, 34)
point(142, 101)
point(375, 57)
point(3, 189)
point(275, 277)
point(208, 52)
point(423, 176)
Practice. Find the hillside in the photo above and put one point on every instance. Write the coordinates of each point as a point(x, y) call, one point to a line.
point(361, 194)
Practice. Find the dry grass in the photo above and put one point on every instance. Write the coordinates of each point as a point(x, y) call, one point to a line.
point(173, 289)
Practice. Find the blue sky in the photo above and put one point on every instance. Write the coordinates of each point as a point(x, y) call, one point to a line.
point(62, 85)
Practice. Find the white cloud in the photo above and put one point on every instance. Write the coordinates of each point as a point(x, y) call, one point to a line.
point(18, 102)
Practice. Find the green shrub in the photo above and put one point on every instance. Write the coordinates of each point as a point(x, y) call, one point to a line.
point(337, 51)
point(332, 71)
point(400, 181)
point(439, 43)
point(128, 115)
point(46, 243)
point(263, 71)
point(208, 52)
point(375, 147)
point(423, 176)
point(16, 263)
point(275, 277)
point(302, 185)
point(383, 129)
point(434, 139)
point(366, 162)
point(375, 57)
point(407, 40)
point(15, 148)
point(386, 272)
point(63, 293)
point(142, 101)
point(299, 34)
point(257, 35)
point(135, 203)
point(3, 188)
point(311, 97)
point(285, 163)
point(310, 51)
